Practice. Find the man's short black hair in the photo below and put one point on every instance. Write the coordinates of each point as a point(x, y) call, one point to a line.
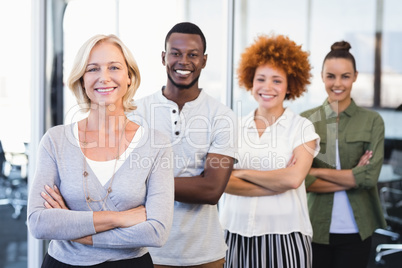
point(187, 28)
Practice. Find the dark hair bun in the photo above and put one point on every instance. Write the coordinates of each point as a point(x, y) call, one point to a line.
point(342, 45)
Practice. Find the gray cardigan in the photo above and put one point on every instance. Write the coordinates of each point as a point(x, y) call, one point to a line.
point(145, 178)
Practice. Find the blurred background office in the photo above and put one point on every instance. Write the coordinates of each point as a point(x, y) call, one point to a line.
point(39, 39)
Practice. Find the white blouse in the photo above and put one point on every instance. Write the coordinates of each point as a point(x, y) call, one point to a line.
point(279, 214)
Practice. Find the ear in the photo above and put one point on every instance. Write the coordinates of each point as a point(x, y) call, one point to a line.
point(322, 76)
point(356, 73)
point(205, 57)
point(163, 55)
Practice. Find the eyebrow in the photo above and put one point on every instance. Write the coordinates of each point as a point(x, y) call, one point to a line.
point(190, 50)
point(274, 76)
point(341, 74)
point(110, 62)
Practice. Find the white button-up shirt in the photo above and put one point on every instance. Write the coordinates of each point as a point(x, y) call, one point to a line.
point(279, 214)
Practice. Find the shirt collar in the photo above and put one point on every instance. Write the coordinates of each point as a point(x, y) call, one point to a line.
point(248, 120)
point(192, 103)
point(350, 110)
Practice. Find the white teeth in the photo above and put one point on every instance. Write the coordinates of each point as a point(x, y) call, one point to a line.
point(104, 90)
point(266, 96)
point(183, 72)
point(337, 91)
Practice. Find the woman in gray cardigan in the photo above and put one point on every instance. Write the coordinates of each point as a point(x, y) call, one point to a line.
point(102, 191)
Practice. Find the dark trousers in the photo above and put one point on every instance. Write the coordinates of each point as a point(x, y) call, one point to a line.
point(343, 251)
point(140, 262)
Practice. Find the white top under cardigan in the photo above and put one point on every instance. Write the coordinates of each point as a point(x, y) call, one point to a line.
point(203, 126)
point(104, 170)
point(278, 214)
point(60, 162)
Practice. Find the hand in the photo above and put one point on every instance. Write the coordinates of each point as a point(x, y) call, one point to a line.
point(132, 217)
point(86, 240)
point(237, 173)
point(53, 198)
point(364, 159)
point(292, 161)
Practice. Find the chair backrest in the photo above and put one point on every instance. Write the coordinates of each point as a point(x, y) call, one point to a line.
point(396, 161)
point(391, 201)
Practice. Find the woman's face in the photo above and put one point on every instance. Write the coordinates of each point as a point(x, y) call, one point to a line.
point(338, 76)
point(270, 86)
point(106, 78)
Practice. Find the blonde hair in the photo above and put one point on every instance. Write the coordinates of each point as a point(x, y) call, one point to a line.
point(75, 80)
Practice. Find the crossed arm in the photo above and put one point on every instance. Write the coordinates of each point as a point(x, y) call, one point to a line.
point(208, 187)
point(333, 180)
point(103, 220)
point(248, 182)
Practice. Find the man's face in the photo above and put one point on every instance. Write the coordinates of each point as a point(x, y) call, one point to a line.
point(184, 59)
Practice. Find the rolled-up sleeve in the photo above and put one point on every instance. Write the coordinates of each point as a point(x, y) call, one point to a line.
point(367, 176)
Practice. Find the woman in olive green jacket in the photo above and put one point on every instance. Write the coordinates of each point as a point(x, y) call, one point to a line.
point(343, 198)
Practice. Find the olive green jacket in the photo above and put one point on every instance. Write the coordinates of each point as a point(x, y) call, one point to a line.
point(358, 130)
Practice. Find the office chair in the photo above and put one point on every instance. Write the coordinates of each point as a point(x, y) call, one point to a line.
point(391, 201)
point(13, 188)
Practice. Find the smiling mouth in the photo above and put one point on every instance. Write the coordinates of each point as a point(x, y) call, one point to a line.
point(338, 91)
point(265, 96)
point(183, 72)
point(105, 90)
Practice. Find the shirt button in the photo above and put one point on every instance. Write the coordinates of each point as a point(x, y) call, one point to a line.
point(175, 122)
point(174, 111)
point(177, 132)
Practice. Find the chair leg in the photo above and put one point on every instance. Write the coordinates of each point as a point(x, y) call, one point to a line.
point(389, 249)
point(393, 235)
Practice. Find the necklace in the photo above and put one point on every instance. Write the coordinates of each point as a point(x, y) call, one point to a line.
point(88, 198)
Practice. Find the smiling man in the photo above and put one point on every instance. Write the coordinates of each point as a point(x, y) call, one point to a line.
point(203, 136)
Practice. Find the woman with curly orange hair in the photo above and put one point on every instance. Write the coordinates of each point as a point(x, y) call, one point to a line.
point(264, 209)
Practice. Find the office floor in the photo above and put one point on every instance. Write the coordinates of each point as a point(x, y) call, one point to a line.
point(13, 239)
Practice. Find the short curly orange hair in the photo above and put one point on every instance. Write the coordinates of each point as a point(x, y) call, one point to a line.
point(280, 52)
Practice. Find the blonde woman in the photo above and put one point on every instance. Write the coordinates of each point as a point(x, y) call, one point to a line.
point(93, 195)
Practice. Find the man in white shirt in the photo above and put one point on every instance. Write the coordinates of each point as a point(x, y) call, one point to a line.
point(203, 135)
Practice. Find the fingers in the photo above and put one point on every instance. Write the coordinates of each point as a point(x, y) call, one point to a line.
point(53, 198)
point(49, 201)
point(292, 161)
point(365, 158)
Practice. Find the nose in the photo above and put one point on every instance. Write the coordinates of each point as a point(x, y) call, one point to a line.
point(183, 59)
point(337, 82)
point(104, 76)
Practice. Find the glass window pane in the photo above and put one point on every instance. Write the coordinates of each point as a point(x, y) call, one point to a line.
point(143, 29)
point(391, 80)
point(15, 130)
point(255, 17)
point(145, 35)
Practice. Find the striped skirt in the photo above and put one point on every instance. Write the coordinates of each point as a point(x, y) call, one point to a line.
point(271, 250)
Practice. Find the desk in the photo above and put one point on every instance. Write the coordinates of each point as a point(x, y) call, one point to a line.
point(387, 174)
